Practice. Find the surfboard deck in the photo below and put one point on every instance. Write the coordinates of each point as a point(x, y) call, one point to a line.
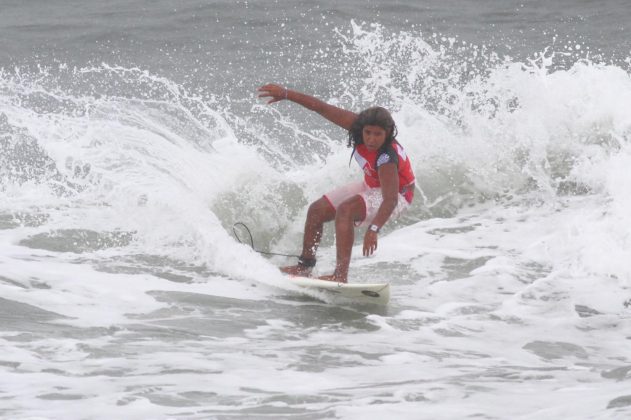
point(376, 293)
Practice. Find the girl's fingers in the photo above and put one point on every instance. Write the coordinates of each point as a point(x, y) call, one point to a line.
point(268, 93)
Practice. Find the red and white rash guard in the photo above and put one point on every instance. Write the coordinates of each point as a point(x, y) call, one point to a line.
point(370, 163)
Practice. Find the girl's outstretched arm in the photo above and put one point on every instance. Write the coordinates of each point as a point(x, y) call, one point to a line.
point(336, 115)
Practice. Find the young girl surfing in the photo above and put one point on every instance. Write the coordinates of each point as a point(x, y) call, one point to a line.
point(386, 190)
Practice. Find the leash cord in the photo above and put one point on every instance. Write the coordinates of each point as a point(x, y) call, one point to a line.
point(234, 231)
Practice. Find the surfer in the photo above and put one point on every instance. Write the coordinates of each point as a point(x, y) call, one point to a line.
point(386, 190)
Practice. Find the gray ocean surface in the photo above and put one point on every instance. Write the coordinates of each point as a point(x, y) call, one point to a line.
point(131, 142)
point(232, 45)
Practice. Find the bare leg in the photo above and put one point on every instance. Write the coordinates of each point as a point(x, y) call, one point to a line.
point(319, 212)
point(353, 209)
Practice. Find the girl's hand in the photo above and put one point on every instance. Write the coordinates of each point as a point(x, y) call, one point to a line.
point(370, 242)
point(275, 92)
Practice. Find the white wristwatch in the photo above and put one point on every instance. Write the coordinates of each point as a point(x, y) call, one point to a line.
point(374, 228)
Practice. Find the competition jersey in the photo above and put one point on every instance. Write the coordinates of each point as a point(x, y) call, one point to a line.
point(369, 162)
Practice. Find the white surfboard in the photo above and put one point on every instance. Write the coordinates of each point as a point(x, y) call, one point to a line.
point(376, 293)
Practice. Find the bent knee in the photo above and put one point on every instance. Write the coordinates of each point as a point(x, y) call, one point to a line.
point(344, 209)
point(352, 209)
point(321, 209)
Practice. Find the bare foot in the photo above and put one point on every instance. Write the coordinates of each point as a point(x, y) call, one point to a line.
point(296, 270)
point(333, 277)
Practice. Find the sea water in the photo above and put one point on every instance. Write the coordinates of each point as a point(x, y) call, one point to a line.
point(132, 141)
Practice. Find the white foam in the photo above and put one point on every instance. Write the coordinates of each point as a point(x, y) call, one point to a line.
point(514, 298)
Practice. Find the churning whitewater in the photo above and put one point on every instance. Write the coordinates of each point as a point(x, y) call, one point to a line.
point(124, 293)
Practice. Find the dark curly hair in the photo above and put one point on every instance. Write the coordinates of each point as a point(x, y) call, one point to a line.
point(372, 116)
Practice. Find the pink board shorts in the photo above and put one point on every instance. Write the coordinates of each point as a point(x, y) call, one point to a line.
point(372, 199)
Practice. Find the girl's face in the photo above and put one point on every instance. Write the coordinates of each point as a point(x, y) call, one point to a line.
point(373, 136)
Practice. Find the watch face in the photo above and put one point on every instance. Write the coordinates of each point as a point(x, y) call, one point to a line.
point(374, 228)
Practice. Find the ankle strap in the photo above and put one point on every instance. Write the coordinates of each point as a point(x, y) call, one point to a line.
point(306, 262)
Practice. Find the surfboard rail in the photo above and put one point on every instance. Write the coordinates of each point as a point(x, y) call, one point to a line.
point(376, 293)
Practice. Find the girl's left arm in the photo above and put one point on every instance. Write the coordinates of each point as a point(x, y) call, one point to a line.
point(389, 179)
